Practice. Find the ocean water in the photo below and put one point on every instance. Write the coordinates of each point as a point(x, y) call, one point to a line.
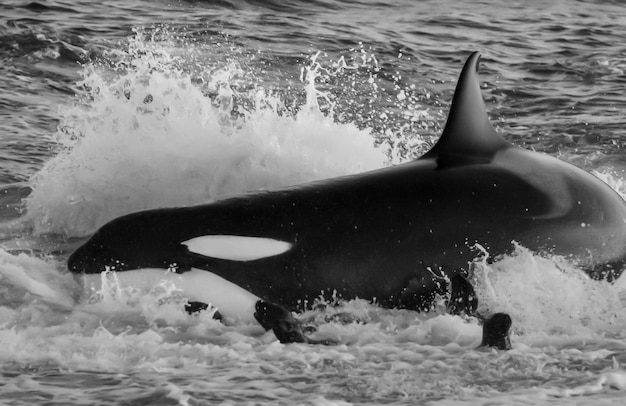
point(112, 107)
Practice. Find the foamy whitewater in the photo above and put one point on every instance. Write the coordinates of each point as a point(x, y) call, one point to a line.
point(173, 142)
point(102, 121)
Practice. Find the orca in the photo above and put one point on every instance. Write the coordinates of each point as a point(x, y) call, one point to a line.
point(392, 235)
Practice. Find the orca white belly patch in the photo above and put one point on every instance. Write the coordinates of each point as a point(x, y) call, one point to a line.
point(196, 285)
point(236, 247)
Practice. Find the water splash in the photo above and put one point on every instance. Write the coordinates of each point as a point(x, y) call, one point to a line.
point(23, 277)
point(615, 182)
point(406, 119)
point(547, 296)
point(147, 135)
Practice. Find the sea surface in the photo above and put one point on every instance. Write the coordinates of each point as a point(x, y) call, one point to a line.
point(108, 107)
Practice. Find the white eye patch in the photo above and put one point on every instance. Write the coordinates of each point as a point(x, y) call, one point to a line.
point(237, 248)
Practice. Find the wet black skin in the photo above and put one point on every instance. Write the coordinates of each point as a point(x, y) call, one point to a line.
point(387, 235)
point(368, 236)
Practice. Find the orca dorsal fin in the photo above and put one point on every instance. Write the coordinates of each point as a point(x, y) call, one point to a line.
point(468, 136)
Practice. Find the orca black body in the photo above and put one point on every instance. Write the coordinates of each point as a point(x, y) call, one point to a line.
point(386, 234)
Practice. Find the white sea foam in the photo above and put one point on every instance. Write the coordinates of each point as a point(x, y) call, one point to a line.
point(119, 330)
point(29, 276)
point(549, 296)
point(147, 135)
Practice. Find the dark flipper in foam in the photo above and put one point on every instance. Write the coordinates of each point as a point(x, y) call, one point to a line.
point(197, 307)
point(286, 328)
point(462, 296)
point(496, 331)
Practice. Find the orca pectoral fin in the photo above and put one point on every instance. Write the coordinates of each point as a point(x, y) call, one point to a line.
point(462, 296)
point(217, 254)
point(280, 320)
point(496, 329)
point(496, 332)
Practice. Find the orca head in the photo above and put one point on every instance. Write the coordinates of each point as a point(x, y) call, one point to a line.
point(468, 137)
point(122, 244)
